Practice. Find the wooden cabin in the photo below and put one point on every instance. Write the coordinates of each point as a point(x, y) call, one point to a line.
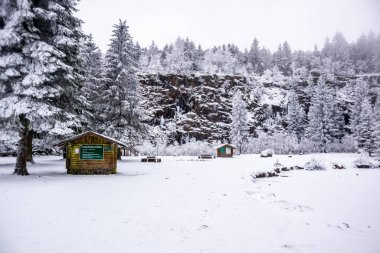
point(91, 153)
point(225, 150)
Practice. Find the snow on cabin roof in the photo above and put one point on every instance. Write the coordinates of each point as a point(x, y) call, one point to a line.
point(226, 144)
point(93, 133)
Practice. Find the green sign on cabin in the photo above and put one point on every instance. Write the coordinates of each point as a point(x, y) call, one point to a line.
point(223, 150)
point(91, 152)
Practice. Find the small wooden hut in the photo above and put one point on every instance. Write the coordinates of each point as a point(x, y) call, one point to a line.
point(91, 153)
point(225, 150)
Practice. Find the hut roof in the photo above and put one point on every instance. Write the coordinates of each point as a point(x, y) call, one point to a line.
point(226, 144)
point(64, 142)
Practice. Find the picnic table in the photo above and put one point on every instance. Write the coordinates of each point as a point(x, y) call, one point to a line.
point(206, 156)
point(151, 159)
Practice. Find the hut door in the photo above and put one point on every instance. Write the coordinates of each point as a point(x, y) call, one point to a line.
point(228, 151)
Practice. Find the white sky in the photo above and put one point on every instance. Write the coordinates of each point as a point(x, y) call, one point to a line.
point(302, 23)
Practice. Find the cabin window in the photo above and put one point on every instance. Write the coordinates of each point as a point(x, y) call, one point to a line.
point(228, 151)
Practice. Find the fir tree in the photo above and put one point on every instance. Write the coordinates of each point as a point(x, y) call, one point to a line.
point(332, 116)
point(39, 49)
point(361, 90)
point(151, 60)
point(376, 125)
point(286, 64)
point(295, 117)
point(282, 58)
point(365, 129)
point(121, 110)
point(315, 128)
point(93, 80)
point(325, 125)
point(239, 124)
point(335, 119)
point(254, 57)
point(178, 60)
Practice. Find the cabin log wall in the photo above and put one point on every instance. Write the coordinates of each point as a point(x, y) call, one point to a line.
point(75, 165)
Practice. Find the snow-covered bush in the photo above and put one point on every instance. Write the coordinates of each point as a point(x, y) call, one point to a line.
point(346, 145)
point(192, 148)
point(313, 164)
point(267, 153)
point(264, 174)
point(365, 163)
point(278, 164)
point(338, 166)
point(147, 148)
point(281, 144)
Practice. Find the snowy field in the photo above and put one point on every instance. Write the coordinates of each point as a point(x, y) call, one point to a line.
point(186, 205)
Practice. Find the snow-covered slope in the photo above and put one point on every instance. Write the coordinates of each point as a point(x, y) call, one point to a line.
point(187, 205)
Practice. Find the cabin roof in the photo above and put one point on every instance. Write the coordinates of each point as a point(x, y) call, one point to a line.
point(223, 145)
point(112, 140)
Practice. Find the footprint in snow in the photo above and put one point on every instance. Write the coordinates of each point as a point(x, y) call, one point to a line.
point(291, 207)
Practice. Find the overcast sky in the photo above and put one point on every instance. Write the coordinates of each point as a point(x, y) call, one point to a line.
point(302, 23)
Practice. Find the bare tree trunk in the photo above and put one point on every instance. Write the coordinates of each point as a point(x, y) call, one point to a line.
point(20, 168)
point(29, 153)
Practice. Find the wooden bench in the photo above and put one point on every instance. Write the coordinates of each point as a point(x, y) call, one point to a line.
point(151, 159)
point(205, 156)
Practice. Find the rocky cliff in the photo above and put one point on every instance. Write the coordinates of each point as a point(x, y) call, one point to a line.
point(199, 106)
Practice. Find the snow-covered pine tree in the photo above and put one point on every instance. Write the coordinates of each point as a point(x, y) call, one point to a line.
point(219, 60)
point(239, 125)
point(121, 106)
point(93, 80)
point(286, 64)
point(333, 116)
point(376, 125)
point(361, 90)
point(254, 57)
point(282, 58)
point(295, 117)
point(176, 61)
point(150, 60)
point(324, 124)
point(365, 128)
point(39, 47)
point(335, 120)
point(315, 127)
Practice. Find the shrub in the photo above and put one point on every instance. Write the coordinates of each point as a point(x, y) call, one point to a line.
point(277, 164)
point(364, 163)
point(313, 164)
point(267, 153)
point(338, 166)
point(264, 174)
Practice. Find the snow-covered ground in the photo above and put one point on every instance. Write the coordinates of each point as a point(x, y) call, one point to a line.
point(186, 205)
